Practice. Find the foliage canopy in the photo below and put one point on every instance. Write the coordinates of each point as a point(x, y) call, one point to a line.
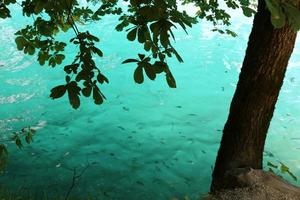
point(149, 22)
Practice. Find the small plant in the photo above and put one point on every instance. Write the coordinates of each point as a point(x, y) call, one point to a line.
point(280, 168)
point(19, 137)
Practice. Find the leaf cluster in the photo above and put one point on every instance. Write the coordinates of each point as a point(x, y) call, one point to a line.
point(19, 137)
point(151, 23)
point(284, 12)
point(218, 15)
point(4, 11)
point(281, 168)
point(82, 70)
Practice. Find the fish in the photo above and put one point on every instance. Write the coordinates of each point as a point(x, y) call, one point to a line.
point(122, 128)
point(296, 138)
point(41, 124)
point(268, 153)
point(157, 169)
point(105, 194)
point(125, 108)
point(140, 183)
point(190, 161)
point(58, 165)
point(67, 153)
point(164, 163)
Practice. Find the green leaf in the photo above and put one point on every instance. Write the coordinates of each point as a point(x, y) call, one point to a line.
point(97, 95)
point(293, 15)
point(150, 72)
point(4, 11)
point(247, 11)
point(3, 151)
point(29, 49)
point(147, 45)
point(21, 42)
point(177, 55)
point(52, 61)
point(283, 168)
point(229, 32)
point(87, 91)
point(164, 39)
point(59, 58)
point(39, 6)
point(42, 57)
point(132, 34)
point(101, 78)
point(92, 37)
point(278, 21)
point(170, 80)
point(74, 93)
point(3, 156)
point(28, 138)
point(138, 75)
point(130, 61)
point(141, 56)
point(19, 143)
point(159, 67)
point(68, 78)
point(97, 51)
point(71, 68)
point(141, 35)
point(58, 91)
point(278, 18)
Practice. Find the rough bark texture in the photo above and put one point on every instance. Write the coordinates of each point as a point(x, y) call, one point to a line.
point(253, 104)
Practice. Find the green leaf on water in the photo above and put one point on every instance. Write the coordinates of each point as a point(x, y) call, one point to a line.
point(247, 11)
point(58, 91)
point(21, 42)
point(283, 168)
point(19, 143)
point(132, 34)
point(138, 75)
point(170, 80)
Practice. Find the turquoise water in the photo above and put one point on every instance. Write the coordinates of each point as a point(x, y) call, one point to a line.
point(147, 141)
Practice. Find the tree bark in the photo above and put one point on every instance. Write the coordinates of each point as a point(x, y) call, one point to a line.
point(253, 104)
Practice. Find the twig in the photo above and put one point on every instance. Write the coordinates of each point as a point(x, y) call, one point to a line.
point(75, 178)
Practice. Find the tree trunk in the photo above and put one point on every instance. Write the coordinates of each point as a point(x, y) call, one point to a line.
point(253, 104)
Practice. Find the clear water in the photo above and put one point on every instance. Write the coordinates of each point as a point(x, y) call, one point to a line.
point(147, 141)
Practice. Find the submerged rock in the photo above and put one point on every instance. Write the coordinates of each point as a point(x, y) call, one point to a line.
point(257, 185)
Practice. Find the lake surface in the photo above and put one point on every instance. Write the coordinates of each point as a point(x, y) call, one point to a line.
point(146, 141)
